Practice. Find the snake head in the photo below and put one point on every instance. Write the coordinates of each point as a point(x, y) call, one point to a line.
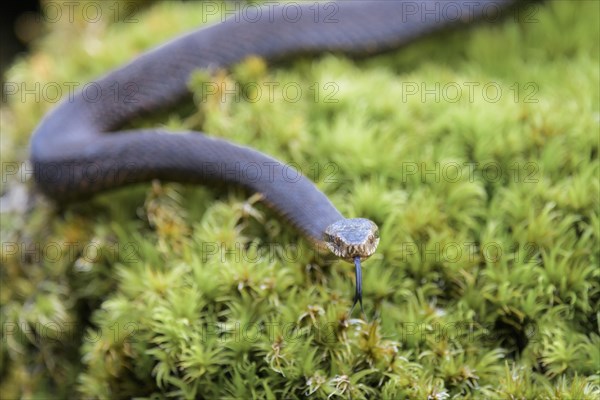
point(351, 238)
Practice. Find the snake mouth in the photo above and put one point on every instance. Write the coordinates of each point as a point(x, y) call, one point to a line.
point(352, 238)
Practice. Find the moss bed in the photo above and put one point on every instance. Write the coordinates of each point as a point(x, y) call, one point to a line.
point(486, 281)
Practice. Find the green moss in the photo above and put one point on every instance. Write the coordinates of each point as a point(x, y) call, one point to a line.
point(486, 281)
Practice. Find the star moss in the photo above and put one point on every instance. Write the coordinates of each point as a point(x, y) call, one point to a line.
point(476, 152)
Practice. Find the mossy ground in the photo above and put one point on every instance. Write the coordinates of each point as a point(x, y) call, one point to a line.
point(486, 282)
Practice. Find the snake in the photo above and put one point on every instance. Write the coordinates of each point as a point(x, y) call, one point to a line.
point(80, 147)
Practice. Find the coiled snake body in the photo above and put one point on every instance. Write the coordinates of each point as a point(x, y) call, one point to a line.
point(80, 136)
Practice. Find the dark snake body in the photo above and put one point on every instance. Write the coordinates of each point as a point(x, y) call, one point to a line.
point(77, 151)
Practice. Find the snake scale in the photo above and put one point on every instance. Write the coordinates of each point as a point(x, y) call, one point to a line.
point(79, 136)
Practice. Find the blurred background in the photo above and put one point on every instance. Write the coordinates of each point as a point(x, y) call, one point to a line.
point(20, 23)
